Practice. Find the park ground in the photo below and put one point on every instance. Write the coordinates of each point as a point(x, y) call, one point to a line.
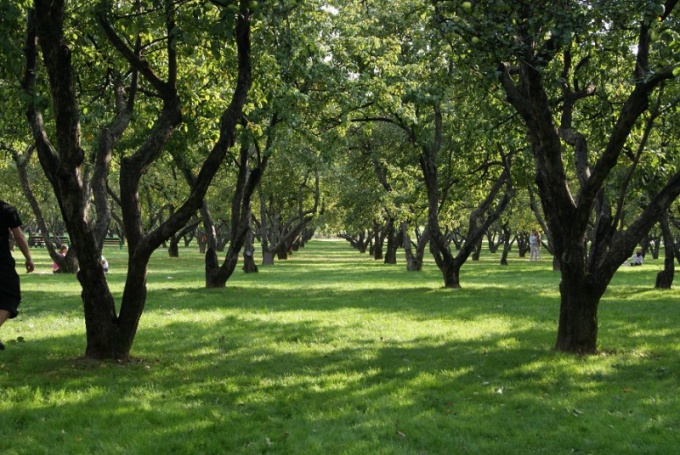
point(331, 352)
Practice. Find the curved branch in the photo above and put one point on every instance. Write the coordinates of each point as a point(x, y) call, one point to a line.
point(132, 57)
point(47, 153)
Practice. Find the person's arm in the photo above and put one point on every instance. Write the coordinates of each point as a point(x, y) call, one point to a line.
point(23, 246)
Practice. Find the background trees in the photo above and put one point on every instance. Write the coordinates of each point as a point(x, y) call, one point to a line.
point(400, 74)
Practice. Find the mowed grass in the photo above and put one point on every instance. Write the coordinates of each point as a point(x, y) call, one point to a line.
point(332, 352)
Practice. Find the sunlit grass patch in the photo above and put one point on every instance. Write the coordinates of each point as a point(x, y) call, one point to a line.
point(332, 351)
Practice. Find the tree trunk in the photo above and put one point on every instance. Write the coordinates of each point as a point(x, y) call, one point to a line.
point(249, 265)
point(457, 238)
point(476, 253)
point(507, 245)
point(241, 216)
point(495, 239)
point(664, 279)
point(188, 238)
point(392, 243)
point(360, 241)
point(645, 244)
point(210, 233)
point(211, 268)
point(282, 253)
point(522, 243)
point(68, 263)
point(577, 331)
point(556, 264)
point(267, 257)
point(379, 237)
point(411, 263)
point(451, 274)
point(173, 249)
point(105, 337)
point(486, 213)
point(221, 241)
point(202, 243)
point(447, 263)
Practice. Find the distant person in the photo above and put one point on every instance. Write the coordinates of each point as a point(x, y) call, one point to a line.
point(534, 245)
point(104, 263)
point(10, 291)
point(63, 250)
point(636, 259)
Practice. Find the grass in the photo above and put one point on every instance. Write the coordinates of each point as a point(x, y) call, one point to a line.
point(333, 352)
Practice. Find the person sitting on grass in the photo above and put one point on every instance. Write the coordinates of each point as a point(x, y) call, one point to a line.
point(62, 252)
point(636, 259)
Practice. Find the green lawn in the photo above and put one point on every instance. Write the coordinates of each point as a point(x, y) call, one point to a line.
point(332, 352)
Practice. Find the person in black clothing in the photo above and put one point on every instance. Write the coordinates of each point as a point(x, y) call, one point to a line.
point(10, 292)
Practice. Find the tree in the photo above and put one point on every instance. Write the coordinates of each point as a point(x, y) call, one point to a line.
point(580, 75)
point(110, 334)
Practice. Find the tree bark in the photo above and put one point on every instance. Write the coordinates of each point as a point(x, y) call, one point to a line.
point(477, 250)
point(664, 279)
point(173, 248)
point(378, 241)
point(392, 243)
point(249, 265)
point(507, 243)
point(282, 252)
point(267, 257)
point(579, 299)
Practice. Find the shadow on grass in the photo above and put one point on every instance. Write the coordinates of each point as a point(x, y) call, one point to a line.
point(367, 360)
point(281, 383)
